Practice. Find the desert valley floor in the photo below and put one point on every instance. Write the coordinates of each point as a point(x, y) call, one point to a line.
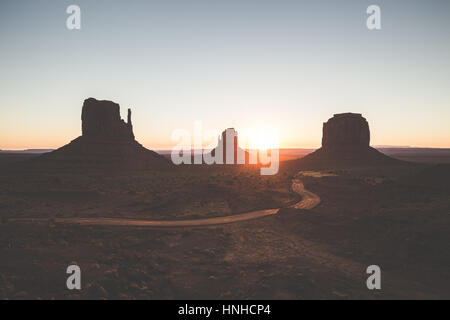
point(395, 216)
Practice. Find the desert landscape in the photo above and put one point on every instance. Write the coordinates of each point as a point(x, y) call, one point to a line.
point(327, 216)
point(224, 153)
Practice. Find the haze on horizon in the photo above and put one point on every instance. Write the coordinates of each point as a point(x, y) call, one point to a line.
point(287, 65)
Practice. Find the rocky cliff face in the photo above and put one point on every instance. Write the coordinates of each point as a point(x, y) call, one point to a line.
point(346, 130)
point(102, 119)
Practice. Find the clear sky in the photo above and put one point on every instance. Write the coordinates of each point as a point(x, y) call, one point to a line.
point(288, 65)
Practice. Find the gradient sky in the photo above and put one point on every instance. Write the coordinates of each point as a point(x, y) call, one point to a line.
point(288, 65)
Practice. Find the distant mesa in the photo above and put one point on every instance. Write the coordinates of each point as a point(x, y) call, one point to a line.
point(346, 140)
point(27, 151)
point(228, 146)
point(227, 150)
point(106, 142)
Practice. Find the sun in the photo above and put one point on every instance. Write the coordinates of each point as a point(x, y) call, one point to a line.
point(263, 139)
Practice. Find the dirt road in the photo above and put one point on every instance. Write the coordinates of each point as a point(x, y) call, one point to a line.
point(309, 201)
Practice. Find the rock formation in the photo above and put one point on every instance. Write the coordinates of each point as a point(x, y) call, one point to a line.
point(102, 119)
point(346, 130)
point(345, 141)
point(228, 142)
point(107, 142)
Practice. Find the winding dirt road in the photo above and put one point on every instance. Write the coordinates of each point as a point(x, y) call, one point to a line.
point(309, 201)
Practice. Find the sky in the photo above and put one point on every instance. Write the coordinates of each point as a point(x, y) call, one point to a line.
point(277, 65)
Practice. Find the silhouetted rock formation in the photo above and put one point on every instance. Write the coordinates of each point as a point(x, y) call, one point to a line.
point(346, 130)
point(107, 142)
point(228, 146)
point(102, 119)
point(228, 142)
point(345, 141)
